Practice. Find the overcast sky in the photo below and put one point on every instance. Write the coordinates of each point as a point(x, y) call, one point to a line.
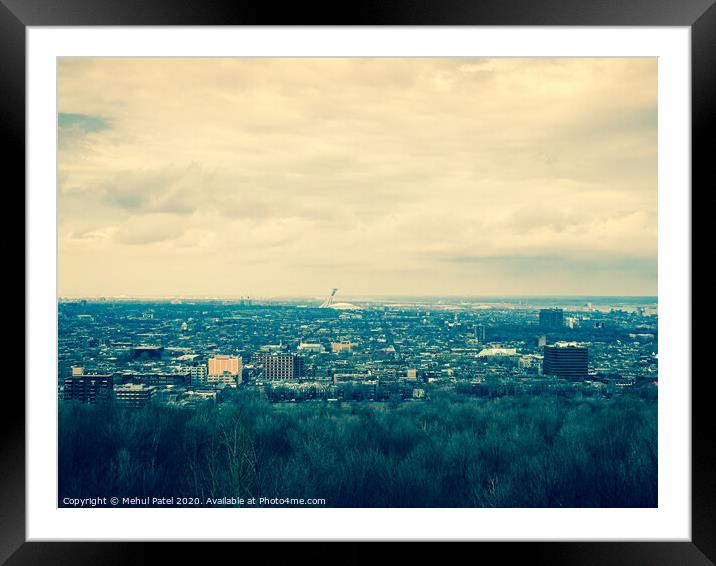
point(270, 177)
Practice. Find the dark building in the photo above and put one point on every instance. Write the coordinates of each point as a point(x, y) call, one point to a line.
point(147, 352)
point(566, 360)
point(551, 319)
point(480, 333)
point(88, 388)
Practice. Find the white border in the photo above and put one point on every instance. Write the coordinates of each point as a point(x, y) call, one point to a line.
point(671, 521)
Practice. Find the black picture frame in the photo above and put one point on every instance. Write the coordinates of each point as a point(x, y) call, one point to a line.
point(17, 15)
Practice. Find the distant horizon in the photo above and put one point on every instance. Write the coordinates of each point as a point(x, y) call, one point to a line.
point(358, 296)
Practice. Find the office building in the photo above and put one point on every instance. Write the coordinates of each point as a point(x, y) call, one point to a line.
point(283, 366)
point(88, 388)
point(551, 319)
point(224, 369)
point(568, 361)
point(219, 365)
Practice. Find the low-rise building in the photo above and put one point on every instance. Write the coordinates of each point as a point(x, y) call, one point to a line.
point(133, 395)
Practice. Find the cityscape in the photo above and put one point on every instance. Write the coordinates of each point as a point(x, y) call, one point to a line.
point(357, 282)
point(194, 355)
point(185, 353)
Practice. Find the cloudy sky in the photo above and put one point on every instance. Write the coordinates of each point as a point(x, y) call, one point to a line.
point(270, 177)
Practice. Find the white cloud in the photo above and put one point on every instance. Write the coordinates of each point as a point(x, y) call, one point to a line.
point(390, 175)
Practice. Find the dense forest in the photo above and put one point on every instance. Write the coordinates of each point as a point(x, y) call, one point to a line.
point(451, 451)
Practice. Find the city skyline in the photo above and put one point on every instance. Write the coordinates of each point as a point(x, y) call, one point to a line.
point(318, 297)
point(422, 177)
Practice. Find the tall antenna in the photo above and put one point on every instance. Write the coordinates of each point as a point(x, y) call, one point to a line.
point(329, 300)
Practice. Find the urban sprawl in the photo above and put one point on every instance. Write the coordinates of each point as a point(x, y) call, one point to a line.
point(187, 352)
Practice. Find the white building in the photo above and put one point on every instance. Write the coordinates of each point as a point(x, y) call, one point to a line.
point(312, 348)
point(491, 352)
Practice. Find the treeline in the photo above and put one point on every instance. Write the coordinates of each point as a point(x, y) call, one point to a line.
point(453, 451)
point(355, 391)
point(558, 388)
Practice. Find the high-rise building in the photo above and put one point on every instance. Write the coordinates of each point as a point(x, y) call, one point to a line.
point(218, 365)
point(551, 319)
point(224, 369)
point(565, 360)
point(88, 388)
point(480, 333)
point(283, 366)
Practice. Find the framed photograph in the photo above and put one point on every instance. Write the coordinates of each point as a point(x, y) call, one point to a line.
point(423, 275)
